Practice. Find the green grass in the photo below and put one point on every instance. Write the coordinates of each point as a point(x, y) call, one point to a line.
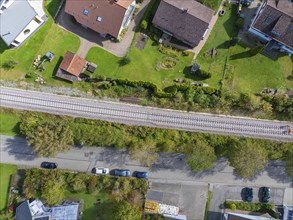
point(142, 66)
point(49, 37)
point(249, 74)
point(9, 124)
point(6, 171)
point(91, 208)
point(210, 195)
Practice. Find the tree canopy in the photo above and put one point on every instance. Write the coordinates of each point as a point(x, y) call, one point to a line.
point(248, 159)
point(47, 136)
point(200, 156)
point(126, 211)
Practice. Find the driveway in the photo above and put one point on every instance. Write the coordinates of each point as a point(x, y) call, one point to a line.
point(190, 198)
point(90, 38)
point(235, 193)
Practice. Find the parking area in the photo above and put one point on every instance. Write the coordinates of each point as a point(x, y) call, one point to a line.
point(222, 193)
point(191, 199)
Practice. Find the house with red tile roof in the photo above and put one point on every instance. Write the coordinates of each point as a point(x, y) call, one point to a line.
point(107, 17)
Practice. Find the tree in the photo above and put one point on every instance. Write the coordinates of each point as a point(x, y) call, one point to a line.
point(201, 156)
point(124, 61)
point(47, 134)
point(126, 211)
point(248, 158)
point(146, 152)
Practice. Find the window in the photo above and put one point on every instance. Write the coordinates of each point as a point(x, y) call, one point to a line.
point(26, 31)
point(37, 20)
point(86, 12)
point(99, 19)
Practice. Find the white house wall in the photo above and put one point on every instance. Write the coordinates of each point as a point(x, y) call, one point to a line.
point(127, 16)
point(32, 26)
point(258, 34)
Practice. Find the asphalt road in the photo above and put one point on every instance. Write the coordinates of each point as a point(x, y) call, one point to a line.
point(168, 169)
point(143, 116)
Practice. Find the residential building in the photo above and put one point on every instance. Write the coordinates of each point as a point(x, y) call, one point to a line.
point(37, 211)
point(187, 20)
point(273, 24)
point(20, 19)
point(71, 67)
point(107, 17)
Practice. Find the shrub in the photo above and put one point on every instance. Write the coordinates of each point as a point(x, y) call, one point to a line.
point(185, 53)
point(124, 61)
point(144, 25)
point(9, 64)
point(233, 206)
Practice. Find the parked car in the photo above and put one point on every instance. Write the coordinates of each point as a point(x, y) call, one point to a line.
point(265, 194)
point(49, 165)
point(118, 172)
point(143, 175)
point(248, 194)
point(100, 170)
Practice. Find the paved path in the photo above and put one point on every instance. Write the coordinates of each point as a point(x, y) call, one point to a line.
point(168, 169)
point(90, 38)
point(143, 116)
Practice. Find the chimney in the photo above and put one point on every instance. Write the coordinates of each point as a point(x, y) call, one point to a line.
point(277, 2)
point(184, 10)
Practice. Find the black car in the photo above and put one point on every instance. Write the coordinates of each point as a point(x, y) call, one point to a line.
point(49, 165)
point(265, 194)
point(248, 194)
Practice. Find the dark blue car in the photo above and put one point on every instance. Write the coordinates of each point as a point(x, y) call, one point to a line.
point(248, 194)
point(49, 165)
point(143, 175)
point(121, 172)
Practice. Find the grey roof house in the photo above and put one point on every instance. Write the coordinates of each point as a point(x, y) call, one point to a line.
point(273, 24)
point(19, 20)
point(187, 20)
point(37, 211)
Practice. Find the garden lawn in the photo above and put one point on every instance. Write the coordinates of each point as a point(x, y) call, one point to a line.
point(49, 37)
point(9, 124)
point(142, 66)
point(248, 73)
point(91, 208)
point(6, 171)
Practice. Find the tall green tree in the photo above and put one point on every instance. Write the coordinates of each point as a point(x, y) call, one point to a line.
point(200, 156)
point(126, 211)
point(146, 152)
point(248, 159)
point(47, 135)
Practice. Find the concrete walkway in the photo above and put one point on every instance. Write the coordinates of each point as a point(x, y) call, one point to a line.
point(90, 38)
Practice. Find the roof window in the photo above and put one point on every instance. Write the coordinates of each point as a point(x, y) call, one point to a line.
point(86, 12)
point(268, 20)
point(99, 19)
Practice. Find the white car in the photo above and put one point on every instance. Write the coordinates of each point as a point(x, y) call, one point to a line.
point(100, 170)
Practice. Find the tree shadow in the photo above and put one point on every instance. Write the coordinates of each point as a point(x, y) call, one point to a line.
point(219, 166)
point(241, 55)
point(3, 46)
point(170, 161)
point(192, 76)
point(229, 25)
point(276, 170)
point(18, 147)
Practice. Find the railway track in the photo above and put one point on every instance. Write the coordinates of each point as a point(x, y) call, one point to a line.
point(143, 116)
